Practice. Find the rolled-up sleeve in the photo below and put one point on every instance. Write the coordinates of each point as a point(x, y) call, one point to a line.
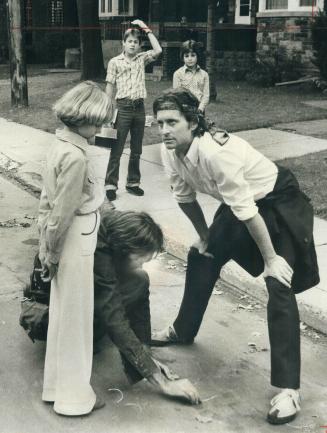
point(182, 191)
point(148, 56)
point(227, 169)
point(111, 72)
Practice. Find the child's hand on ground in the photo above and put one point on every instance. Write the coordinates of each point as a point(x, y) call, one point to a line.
point(181, 388)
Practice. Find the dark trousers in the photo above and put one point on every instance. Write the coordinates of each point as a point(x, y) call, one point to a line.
point(130, 118)
point(134, 289)
point(230, 239)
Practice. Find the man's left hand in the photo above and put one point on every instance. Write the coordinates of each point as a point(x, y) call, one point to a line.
point(201, 245)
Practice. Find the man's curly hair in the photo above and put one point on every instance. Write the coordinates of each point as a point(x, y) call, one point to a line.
point(186, 103)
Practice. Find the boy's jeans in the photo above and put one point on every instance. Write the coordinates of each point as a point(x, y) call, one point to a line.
point(130, 118)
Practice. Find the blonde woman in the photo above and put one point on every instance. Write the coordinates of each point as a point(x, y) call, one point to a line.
point(68, 224)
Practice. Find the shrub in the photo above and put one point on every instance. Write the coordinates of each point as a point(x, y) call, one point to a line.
point(280, 66)
point(319, 42)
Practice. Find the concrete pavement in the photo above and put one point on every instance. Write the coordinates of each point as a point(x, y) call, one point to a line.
point(23, 150)
point(229, 362)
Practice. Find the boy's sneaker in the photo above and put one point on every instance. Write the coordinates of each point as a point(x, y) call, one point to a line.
point(111, 194)
point(136, 190)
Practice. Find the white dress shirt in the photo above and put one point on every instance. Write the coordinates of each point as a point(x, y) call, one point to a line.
point(234, 173)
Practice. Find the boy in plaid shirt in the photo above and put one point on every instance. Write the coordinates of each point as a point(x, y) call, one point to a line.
point(126, 75)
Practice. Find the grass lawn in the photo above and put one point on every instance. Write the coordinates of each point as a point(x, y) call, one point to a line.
point(239, 106)
point(311, 172)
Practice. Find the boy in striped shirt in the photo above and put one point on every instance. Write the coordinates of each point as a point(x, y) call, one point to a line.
point(126, 76)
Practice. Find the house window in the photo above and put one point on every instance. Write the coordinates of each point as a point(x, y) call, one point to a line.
point(308, 2)
point(276, 4)
point(57, 13)
point(244, 8)
point(103, 6)
point(123, 7)
point(109, 6)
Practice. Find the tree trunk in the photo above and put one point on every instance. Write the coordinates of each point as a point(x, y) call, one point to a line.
point(17, 57)
point(211, 54)
point(91, 48)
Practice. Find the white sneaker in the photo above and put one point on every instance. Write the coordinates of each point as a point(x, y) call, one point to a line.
point(284, 407)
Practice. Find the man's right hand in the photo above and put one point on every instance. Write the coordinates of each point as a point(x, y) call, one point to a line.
point(181, 388)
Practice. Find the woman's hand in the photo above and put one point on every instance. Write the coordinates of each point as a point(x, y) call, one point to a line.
point(49, 270)
point(279, 268)
point(201, 245)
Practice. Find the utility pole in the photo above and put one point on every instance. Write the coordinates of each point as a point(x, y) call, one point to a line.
point(17, 57)
point(211, 54)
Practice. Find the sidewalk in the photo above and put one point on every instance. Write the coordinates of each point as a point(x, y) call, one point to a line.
point(23, 150)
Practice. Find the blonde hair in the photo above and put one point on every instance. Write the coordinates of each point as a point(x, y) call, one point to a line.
point(84, 104)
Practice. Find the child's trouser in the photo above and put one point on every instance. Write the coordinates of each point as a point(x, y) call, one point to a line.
point(130, 119)
point(69, 353)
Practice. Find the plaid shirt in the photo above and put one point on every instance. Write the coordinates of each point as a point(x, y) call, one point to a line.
point(197, 81)
point(129, 74)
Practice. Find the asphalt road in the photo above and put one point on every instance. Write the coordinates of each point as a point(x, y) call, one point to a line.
point(231, 375)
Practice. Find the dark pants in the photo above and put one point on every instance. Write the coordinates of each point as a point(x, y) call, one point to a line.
point(230, 239)
point(130, 118)
point(134, 288)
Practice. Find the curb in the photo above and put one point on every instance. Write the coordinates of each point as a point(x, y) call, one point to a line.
point(238, 282)
point(233, 278)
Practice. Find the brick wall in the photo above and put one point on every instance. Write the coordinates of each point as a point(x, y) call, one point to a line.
point(231, 65)
point(290, 32)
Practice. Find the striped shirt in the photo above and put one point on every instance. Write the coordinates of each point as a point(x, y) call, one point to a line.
point(129, 74)
point(197, 81)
